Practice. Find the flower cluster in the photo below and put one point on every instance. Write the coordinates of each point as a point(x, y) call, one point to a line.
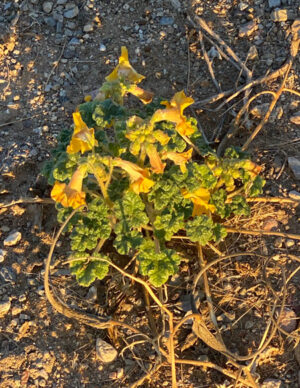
point(141, 177)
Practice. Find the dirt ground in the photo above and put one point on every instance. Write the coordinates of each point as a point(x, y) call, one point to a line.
point(53, 53)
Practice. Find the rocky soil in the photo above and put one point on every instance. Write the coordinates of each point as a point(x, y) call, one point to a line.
point(53, 53)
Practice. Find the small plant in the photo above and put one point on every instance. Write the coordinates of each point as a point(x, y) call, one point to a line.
point(139, 176)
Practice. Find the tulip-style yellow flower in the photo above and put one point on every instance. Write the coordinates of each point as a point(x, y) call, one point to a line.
point(83, 138)
point(125, 73)
point(174, 113)
point(125, 70)
point(157, 165)
point(70, 195)
point(179, 158)
point(200, 199)
point(139, 177)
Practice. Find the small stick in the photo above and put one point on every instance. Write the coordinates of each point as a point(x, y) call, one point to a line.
point(26, 200)
point(208, 62)
point(55, 64)
point(263, 233)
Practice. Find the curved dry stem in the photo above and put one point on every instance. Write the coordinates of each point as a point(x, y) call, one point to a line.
point(263, 233)
point(61, 307)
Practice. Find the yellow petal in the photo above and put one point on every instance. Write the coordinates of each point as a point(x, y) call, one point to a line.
point(181, 101)
point(161, 137)
point(78, 122)
point(156, 164)
point(143, 95)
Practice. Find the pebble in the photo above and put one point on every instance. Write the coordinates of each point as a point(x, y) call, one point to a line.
point(289, 243)
point(248, 29)
point(12, 239)
point(294, 164)
point(102, 47)
point(295, 119)
point(272, 383)
point(61, 2)
point(294, 195)
point(4, 308)
point(16, 310)
point(47, 6)
point(166, 21)
point(243, 6)
point(105, 352)
point(72, 11)
point(2, 255)
point(274, 3)
point(279, 15)
point(288, 320)
point(88, 27)
point(5, 228)
point(92, 294)
point(8, 275)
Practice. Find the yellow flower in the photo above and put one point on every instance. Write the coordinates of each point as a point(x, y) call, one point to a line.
point(124, 70)
point(200, 199)
point(83, 138)
point(179, 158)
point(143, 95)
point(174, 113)
point(139, 177)
point(156, 164)
point(70, 195)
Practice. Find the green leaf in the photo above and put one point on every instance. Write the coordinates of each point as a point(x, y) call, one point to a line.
point(257, 186)
point(200, 229)
point(86, 110)
point(131, 209)
point(88, 269)
point(168, 224)
point(218, 199)
point(219, 233)
point(106, 111)
point(200, 175)
point(124, 243)
point(239, 206)
point(158, 266)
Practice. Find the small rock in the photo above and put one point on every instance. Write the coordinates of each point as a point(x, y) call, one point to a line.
point(176, 4)
point(25, 317)
point(105, 352)
point(270, 224)
point(272, 383)
point(274, 3)
point(71, 13)
point(92, 294)
point(279, 15)
point(88, 27)
point(102, 47)
point(12, 239)
point(289, 243)
point(295, 119)
point(2, 255)
point(16, 310)
point(294, 164)
point(214, 53)
point(278, 242)
point(4, 308)
point(51, 22)
point(166, 21)
point(47, 6)
point(248, 29)
point(8, 275)
point(5, 228)
point(294, 195)
point(288, 320)
point(243, 6)
point(61, 2)
point(117, 375)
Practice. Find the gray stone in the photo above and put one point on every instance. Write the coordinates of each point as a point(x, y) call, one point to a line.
point(12, 239)
point(294, 164)
point(71, 13)
point(248, 29)
point(51, 22)
point(88, 27)
point(272, 383)
point(4, 308)
point(105, 352)
point(176, 4)
point(2, 255)
point(295, 119)
point(288, 320)
point(102, 47)
point(279, 15)
point(59, 27)
point(274, 3)
point(166, 21)
point(243, 6)
point(61, 2)
point(75, 42)
point(47, 6)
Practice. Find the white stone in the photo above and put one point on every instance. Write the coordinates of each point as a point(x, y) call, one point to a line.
point(4, 308)
point(105, 352)
point(47, 6)
point(243, 6)
point(102, 47)
point(12, 239)
point(2, 255)
point(88, 27)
